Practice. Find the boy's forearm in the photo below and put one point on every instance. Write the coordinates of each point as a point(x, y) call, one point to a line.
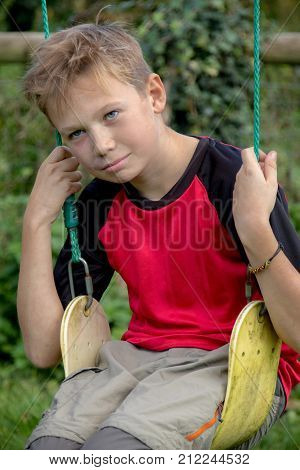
point(279, 284)
point(39, 308)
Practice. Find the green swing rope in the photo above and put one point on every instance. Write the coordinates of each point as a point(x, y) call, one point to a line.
point(256, 118)
point(69, 209)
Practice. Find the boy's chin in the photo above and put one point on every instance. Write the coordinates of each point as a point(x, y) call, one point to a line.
point(119, 178)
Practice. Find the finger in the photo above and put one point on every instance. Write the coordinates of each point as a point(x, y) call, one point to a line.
point(59, 153)
point(262, 155)
point(249, 157)
point(68, 164)
point(74, 187)
point(75, 176)
point(271, 167)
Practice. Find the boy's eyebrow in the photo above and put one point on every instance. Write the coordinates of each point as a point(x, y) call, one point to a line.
point(108, 105)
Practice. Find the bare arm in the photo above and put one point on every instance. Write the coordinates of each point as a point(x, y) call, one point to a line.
point(279, 284)
point(39, 308)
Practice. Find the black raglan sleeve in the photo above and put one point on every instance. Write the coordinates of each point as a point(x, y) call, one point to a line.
point(92, 212)
point(219, 172)
point(284, 229)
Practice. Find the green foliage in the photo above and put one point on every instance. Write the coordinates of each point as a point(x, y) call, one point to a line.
point(12, 208)
point(280, 120)
point(26, 136)
point(115, 304)
point(202, 52)
point(285, 434)
point(17, 15)
point(4, 14)
point(10, 340)
point(294, 210)
point(23, 398)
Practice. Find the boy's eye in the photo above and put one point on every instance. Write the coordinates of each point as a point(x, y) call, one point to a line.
point(108, 117)
point(111, 116)
point(75, 134)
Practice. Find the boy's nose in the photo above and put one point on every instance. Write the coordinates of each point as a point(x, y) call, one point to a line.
point(103, 143)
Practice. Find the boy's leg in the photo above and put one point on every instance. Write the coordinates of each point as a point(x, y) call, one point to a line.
point(113, 439)
point(53, 443)
point(106, 439)
point(177, 406)
point(86, 398)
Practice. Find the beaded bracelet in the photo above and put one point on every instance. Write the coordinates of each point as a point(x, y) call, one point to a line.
point(266, 263)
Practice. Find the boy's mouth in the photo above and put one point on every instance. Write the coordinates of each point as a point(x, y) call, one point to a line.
point(115, 163)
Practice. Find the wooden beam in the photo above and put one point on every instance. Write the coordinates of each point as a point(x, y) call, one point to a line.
point(16, 47)
point(282, 49)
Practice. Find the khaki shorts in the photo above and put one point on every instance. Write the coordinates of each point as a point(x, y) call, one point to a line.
point(168, 399)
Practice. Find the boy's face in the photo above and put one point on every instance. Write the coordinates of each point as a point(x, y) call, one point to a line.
point(114, 134)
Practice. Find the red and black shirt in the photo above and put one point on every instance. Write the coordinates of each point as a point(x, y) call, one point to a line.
point(181, 257)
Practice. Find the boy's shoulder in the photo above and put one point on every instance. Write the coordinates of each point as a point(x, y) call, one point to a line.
point(222, 155)
point(219, 144)
point(218, 166)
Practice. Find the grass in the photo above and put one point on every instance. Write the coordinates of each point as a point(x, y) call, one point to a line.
point(285, 434)
point(23, 398)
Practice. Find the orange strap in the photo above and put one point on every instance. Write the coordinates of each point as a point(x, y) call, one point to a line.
point(209, 424)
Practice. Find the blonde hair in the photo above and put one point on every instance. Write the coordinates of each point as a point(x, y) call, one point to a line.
point(107, 50)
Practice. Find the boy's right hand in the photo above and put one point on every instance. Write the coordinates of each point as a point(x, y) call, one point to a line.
point(57, 179)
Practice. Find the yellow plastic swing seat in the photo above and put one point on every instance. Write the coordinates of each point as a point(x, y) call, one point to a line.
point(82, 334)
point(252, 371)
point(254, 353)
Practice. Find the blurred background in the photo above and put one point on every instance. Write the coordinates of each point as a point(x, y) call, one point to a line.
point(203, 52)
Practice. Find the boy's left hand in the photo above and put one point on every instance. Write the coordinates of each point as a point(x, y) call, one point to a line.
point(255, 191)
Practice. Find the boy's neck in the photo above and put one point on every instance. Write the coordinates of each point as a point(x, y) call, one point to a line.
point(174, 153)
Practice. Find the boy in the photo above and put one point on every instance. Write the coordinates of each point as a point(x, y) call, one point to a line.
point(179, 217)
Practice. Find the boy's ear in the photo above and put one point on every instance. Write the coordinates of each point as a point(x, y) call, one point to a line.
point(156, 92)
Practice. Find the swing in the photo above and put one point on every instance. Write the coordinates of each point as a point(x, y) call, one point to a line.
point(82, 333)
point(254, 349)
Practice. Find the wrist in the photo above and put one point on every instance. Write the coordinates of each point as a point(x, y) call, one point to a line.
point(34, 220)
point(257, 234)
point(260, 246)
